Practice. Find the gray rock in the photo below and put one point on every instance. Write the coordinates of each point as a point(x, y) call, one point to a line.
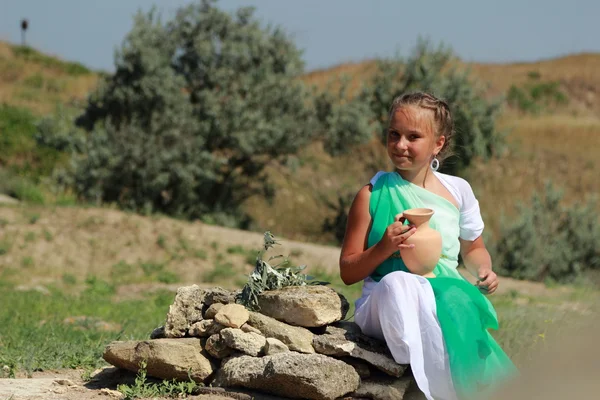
point(383, 388)
point(307, 306)
point(218, 295)
point(247, 342)
point(158, 333)
point(212, 310)
point(344, 340)
point(205, 328)
point(217, 393)
point(166, 358)
point(185, 311)
point(295, 337)
point(216, 347)
point(274, 346)
point(249, 328)
point(291, 374)
point(232, 315)
point(361, 367)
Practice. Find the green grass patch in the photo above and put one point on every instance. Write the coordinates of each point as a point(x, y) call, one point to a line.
point(20, 152)
point(37, 330)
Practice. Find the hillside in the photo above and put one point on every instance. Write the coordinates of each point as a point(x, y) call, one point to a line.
point(578, 75)
point(40, 82)
point(64, 247)
point(562, 144)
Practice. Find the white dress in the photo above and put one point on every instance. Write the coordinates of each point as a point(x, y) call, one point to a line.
point(401, 310)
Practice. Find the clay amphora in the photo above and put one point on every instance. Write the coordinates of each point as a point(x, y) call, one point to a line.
point(422, 258)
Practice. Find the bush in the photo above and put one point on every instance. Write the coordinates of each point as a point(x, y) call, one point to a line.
point(548, 241)
point(534, 96)
point(195, 111)
point(432, 69)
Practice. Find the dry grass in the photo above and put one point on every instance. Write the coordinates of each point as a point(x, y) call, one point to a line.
point(559, 148)
point(38, 87)
point(42, 245)
point(579, 74)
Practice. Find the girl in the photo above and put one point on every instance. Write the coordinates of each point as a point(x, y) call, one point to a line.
point(437, 325)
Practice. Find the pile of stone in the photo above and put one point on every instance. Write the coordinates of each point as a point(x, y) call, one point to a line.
point(296, 347)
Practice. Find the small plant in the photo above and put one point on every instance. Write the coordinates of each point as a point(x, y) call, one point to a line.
point(268, 277)
point(27, 262)
point(200, 253)
point(142, 388)
point(535, 95)
point(5, 246)
point(162, 241)
point(33, 218)
point(69, 279)
point(30, 236)
point(48, 235)
point(8, 369)
point(237, 249)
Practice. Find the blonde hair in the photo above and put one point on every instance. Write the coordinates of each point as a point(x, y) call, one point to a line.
point(442, 117)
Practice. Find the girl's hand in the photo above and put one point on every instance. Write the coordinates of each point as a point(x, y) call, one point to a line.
point(488, 281)
point(395, 234)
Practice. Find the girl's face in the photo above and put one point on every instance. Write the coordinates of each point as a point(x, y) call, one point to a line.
point(411, 141)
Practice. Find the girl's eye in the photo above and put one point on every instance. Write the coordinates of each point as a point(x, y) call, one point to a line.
point(394, 134)
point(414, 137)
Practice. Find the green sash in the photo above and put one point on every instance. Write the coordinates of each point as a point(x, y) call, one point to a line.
point(477, 362)
point(392, 195)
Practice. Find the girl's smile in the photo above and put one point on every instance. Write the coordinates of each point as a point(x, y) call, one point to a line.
point(411, 140)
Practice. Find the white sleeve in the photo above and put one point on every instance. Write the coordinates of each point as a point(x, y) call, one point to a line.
point(471, 223)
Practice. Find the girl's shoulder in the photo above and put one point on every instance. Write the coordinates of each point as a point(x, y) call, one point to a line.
point(458, 187)
point(376, 177)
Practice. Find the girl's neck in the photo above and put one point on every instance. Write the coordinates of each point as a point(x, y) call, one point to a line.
point(420, 178)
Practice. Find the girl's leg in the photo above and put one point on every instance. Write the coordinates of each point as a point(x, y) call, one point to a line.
point(401, 310)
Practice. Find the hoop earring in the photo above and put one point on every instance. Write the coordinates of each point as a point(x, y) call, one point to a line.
point(435, 164)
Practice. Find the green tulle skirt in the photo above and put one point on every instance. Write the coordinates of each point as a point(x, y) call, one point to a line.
point(477, 363)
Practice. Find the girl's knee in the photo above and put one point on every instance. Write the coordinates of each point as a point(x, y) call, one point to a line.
point(394, 279)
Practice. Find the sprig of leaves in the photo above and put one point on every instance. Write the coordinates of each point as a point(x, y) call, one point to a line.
point(271, 277)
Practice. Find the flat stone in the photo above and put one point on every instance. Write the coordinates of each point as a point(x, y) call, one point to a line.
point(291, 374)
point(165, 358)
point(274, 346)
point(212, 310)
point(344, 340)
point(295, 337)
point(250, 328)
point(307, 306)
point(218, 295)
point(383, 388)
point(247, 342)
point(232, 315)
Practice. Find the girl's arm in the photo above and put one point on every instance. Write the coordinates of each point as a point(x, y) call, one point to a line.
point(479, 263)
point(356, 261)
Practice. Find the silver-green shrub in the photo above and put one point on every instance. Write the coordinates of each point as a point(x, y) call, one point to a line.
point(197, 108)
point(548, 241)
point(434, 70)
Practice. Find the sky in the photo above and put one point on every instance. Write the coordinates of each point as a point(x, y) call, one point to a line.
point(330, 32)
